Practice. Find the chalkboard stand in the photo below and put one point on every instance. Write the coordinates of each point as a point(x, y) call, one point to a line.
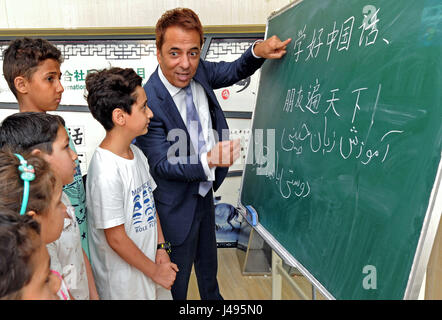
point(254, 254)
point(278, 272)
point(280, 251)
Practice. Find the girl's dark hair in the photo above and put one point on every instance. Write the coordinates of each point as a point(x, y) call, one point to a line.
point(26, 131)
point(41, 189)
point(22, 57)
point(19, 240)
point(109, 89)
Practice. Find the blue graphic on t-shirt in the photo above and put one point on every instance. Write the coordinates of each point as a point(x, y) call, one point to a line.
point(150, 206)
point(136, 217)
point(143, 212)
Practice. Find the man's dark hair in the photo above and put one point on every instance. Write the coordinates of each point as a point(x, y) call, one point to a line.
point(26, 131)
point(19, 240)
point(22, 57)
point(110, 89)
point(181, 17)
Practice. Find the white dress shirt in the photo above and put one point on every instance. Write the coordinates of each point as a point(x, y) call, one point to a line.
point(202, 106)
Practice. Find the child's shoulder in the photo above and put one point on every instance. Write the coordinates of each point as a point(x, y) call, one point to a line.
point(136, 149)
point(102, 161)
point(138, 153)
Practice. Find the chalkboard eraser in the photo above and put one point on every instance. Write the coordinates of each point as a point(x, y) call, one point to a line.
point(251, 215)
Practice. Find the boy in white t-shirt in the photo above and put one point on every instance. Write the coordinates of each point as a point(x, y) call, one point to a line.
point(127, 246)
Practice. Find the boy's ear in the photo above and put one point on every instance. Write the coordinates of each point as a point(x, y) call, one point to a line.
point(36, 152)
point(119, 117)
point(20, 84)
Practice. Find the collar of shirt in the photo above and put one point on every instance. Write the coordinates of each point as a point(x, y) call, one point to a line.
point(202, 106)
point(178, 95)
point(173, 91)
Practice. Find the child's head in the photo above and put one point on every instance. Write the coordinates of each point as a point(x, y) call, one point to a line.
point(115, 97)
point(31, 68)
point(41, 134)
point(24, 263)
point(44, 193)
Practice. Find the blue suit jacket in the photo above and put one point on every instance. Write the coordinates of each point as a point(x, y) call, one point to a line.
point(177, 183)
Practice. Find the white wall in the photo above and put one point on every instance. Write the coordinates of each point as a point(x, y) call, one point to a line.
point(24, 14)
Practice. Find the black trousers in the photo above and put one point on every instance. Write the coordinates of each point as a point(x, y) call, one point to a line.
point(199, 248)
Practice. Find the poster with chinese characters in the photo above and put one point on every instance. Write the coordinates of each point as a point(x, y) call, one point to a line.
point(80, 58)
point(84, 57)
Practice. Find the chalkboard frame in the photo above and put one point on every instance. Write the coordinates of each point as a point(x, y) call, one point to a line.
point(426, 238)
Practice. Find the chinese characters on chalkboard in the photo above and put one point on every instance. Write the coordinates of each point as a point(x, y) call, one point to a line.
point(329, 105)
point(339, 38)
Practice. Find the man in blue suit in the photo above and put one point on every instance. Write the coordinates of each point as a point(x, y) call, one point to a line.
point(187, 145)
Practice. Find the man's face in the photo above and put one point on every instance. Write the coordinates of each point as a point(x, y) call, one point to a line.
point(179, 55)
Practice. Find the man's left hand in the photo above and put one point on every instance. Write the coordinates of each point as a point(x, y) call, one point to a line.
point(271, 48)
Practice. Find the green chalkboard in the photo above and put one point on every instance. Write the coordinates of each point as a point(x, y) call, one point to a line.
point(346, 140)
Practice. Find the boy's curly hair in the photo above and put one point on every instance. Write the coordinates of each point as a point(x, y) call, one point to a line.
point(22, 57)
point(109, 89)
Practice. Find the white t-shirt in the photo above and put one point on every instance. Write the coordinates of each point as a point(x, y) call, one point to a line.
point(119, 191)
point(68, 251)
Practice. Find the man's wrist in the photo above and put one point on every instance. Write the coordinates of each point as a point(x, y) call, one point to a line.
point(253, 48)
point(210, 164)
point(208, 169)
